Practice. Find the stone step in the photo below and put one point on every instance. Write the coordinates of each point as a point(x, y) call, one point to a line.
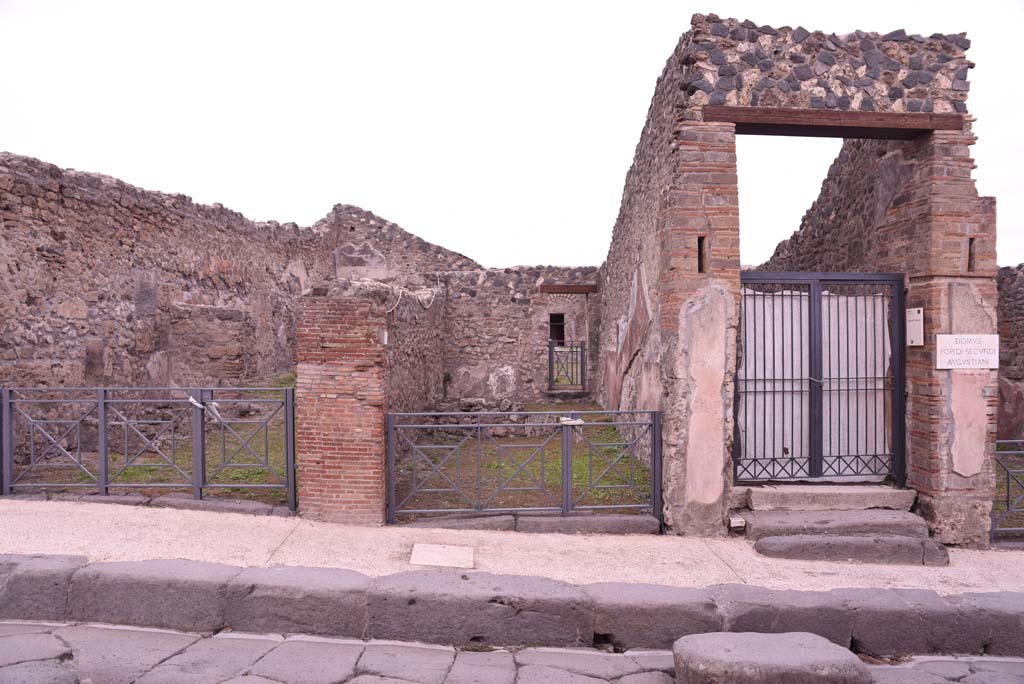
point(799, 497)
point(834, 523)
point(752, 658)
point(885, 549)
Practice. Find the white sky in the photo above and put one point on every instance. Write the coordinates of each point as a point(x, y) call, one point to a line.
point(500, 131)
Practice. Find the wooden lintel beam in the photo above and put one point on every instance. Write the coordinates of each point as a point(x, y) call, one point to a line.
point(585, 288)
point(831, 123)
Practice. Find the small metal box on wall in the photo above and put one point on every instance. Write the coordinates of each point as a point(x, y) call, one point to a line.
point(915, 327)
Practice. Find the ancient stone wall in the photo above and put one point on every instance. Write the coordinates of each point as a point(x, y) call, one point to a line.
point(106, 283)
point(1011, 352)
point(415, 341)
point(497, 327)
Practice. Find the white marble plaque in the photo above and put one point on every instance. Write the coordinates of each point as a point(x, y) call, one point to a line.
point(966, 352)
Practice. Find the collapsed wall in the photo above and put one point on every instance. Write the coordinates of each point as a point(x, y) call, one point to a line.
point(1011, 352)
point(107, 283)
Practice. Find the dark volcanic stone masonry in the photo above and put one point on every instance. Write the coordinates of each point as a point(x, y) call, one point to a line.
point(728, 62)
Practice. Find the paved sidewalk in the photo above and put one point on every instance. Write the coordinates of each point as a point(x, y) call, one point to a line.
point(105, 532)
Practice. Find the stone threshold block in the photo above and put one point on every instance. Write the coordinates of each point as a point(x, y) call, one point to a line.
point(185, 595)
point(478, 608)
point(797, 497)
point(751, 658)
point(841, 523)
point(885, 549)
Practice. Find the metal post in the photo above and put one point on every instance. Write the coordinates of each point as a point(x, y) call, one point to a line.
point(389, 426)
point(583, 365)
point(289, 448)
point(101, 412)
point(816, 384)
point(7, 417)
point(198, 444)
point(656, 501)
point(566, 468)
point(897, 314)
point(551, 365)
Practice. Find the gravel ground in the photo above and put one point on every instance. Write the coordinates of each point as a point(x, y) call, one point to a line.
point(106, 532)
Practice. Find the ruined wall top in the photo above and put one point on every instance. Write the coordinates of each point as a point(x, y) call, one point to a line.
point(729, 62)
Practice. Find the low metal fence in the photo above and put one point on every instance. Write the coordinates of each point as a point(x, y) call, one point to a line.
point(125, 438)
point(1008, 508)
point(567, 366)
point(543, 461)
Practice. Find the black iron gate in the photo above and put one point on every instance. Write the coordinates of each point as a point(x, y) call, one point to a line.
point(820, 377)
point(567, 366)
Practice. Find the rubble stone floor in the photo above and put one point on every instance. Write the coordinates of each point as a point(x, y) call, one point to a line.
point(46, 653)
point(110, 532)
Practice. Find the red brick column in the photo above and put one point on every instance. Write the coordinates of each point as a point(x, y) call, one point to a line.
point(340, 404)
point(698, 286)
point(951, 414)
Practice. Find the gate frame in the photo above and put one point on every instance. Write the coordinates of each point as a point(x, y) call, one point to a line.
point(897, 334)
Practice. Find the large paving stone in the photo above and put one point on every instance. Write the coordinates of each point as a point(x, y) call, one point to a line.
point(748, 658)
point(744, 608)
point(9, 628)
point(120, 656)
point(173, 594)
point(308, 661)
point(906, 621)
point(589, 524)
point(40, 672)
point(422, 664)
point(842, 523)
point(478, 608)
point(887, 674)
point(647, 678)
point(494, 667)
point(585, 662)
point(285, 599)
point(997, 618)
point(22, 648)
point(538, 674)
point(648, 615)
point(36, 587)
point(187, 502)
point(795, 497)
point(651, 659)
point(209, 661)
point(882, 549)
point(992, 678)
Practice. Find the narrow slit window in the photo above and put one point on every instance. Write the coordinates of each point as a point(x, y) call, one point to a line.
point(970, 255)
point(701, 254)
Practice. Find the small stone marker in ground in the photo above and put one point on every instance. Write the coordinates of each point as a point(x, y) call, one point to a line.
point(442, 555)
point(754, 658)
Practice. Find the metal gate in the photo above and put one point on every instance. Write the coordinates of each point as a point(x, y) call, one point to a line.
point(820, 377)
point(567, 366)
point(103, 439)
point(1008, 509)
point(540, 461)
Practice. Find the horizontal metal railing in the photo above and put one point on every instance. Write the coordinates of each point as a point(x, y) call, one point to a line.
point(152, 438)
point(536, 461)
point(1008, 508)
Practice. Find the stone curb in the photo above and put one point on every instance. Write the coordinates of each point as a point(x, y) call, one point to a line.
point(477, 608)
point(176, 500)
point(606, 523)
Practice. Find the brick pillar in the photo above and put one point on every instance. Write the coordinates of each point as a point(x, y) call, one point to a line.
point(951, 414)
point(340, 404)
point(699, 307)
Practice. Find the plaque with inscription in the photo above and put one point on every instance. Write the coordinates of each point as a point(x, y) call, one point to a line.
point(966, 352)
